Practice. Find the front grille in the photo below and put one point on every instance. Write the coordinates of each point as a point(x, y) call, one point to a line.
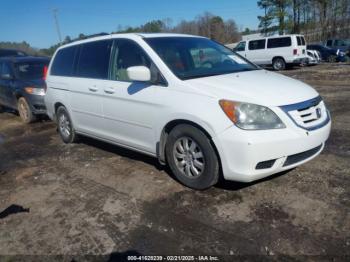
point(310, 114)
point(293, 159)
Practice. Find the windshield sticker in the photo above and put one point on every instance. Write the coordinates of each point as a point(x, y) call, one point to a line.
point(237, 59)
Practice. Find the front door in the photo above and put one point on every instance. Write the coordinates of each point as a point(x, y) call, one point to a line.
point(130, 108)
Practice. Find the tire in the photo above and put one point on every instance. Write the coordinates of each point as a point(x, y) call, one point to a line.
point(332, 59)
point(2, 109)
point(278, 64)
point(191, 157)
point(65, 126)
point(25, 112)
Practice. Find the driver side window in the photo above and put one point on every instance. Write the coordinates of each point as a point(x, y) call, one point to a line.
point(127, 54)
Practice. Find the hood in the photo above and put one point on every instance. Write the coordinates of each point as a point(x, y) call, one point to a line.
point(259, 87)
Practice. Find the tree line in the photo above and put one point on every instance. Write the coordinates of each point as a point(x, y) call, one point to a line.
point(317, 19)
point(207, 24)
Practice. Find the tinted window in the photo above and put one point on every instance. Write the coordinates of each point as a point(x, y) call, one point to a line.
point(279, 42)
point(5, 69)
point(298, 40)
point(63, 62)
point(128, 54)
point(329, 43)
point(94, 59)
point(303, 40)
point(257, 44)
point(30, 70)
point(194, 57)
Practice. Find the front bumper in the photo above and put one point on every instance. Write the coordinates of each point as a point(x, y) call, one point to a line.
point(251, 155)
point(37, 104)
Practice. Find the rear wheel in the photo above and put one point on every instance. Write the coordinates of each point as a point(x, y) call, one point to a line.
point(278, 64)
point(25, 112)
point(192, 158)
point(65, 126)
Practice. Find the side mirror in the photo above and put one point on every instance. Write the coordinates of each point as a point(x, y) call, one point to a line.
point(6, 77)
point(139, 73)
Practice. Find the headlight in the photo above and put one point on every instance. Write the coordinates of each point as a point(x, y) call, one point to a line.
point(35, 91)
point(250, 116)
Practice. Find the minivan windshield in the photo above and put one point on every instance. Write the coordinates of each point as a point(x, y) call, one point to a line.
point(30, 70)
point(194, 57)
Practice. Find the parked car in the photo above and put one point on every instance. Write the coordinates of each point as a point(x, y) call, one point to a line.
point(328, 54)
point(278, 51)
point(22, 86)
point(188, 101)
point(11, 52)
point(342, 44)
point(313, 57)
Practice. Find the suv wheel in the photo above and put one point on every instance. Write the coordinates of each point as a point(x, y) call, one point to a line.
point(65, 126)
point(278, 64)
point(332, 59)
point(24, 110)
point(192, 158)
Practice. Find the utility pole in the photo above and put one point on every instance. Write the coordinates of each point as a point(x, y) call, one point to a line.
point(57, 25)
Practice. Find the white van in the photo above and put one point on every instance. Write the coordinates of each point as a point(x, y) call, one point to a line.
point(278, 51)
point(188, 101)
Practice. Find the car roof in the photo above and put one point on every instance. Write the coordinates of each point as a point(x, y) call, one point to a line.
point(270, 36)
point(127, 35)
point(18, 59)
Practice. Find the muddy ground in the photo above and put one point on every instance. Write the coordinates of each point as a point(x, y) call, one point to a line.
point(94, 198)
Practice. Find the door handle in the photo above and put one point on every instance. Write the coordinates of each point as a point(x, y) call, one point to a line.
point(93, 89)
point(109, 90)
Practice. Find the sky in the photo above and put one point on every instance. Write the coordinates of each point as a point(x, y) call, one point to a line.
point(32, 20)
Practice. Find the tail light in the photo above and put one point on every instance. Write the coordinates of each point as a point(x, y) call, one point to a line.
point(45, 72)
point(295, 51)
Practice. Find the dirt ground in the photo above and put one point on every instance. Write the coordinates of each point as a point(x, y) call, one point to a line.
point(92, 198)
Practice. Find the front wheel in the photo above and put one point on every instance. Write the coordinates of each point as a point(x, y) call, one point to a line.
point(65, 126)
point(332, 59)
point(192, 158)
point(25, 112)
point(278, 64)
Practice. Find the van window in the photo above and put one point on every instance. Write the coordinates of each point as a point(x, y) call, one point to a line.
point(240, 47)
point(94, 59)
point(329, 43)
point(128, 54)
point(301, 40)
point(63, 62)
point(257, 44)
point(279, 42)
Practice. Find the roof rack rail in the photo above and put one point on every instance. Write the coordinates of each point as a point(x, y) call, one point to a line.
point(87, 37)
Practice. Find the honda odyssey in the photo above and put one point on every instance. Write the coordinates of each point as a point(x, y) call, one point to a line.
point(188, 101)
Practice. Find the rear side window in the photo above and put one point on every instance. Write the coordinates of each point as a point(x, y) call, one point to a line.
point(300, 40)
point(94, 59)
point(257, 44)
point(63, 62)
point(5, 69)
point(279, 42)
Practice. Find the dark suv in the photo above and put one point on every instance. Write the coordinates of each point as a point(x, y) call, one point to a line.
point(22, 85)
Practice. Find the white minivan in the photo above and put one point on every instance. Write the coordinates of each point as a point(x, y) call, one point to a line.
point(278, 51)
point(188, 101)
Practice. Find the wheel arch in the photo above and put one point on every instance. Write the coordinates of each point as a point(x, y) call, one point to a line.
point(170, 126)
